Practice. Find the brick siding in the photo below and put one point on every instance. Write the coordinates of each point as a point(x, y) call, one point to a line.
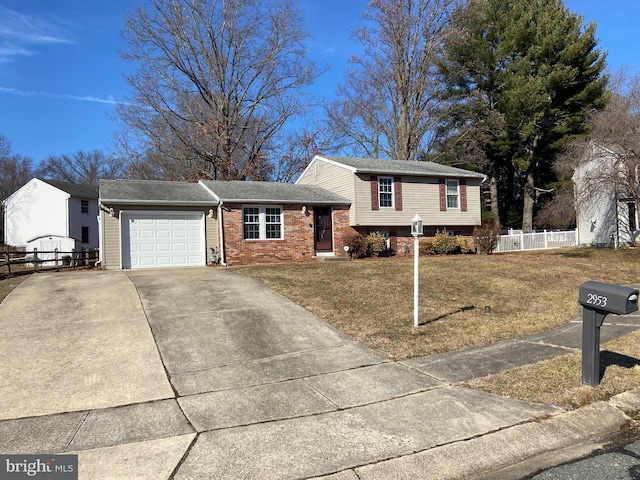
point(297, 244)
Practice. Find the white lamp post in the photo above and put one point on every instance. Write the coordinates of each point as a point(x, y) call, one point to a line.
point(416, 231)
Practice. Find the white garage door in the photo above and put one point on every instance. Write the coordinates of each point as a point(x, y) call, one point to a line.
point(162, 240)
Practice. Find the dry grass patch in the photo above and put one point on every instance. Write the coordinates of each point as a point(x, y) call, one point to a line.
point(559, 381)
point(9, 284)
point(372, 300)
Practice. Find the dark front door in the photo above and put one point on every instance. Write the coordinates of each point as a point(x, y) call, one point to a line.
point(323, 234)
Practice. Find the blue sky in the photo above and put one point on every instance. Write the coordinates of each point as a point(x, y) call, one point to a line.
point(61, 74)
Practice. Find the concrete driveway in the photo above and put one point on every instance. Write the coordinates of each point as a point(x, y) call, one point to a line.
point(76, 341)
point(201, 373)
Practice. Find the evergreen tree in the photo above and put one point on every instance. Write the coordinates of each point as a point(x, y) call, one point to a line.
point(520, 75)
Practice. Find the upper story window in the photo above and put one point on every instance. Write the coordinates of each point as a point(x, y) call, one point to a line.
point(453, 194)
point(385, 191)
point(84, 206)
point(262, 223)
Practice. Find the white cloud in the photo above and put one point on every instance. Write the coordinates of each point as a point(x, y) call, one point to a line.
point(20, 34)
point(27, 93)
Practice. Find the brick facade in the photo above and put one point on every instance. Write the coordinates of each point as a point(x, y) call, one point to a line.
point(297, 244)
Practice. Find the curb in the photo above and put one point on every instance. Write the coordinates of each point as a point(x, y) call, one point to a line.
point(516, 451)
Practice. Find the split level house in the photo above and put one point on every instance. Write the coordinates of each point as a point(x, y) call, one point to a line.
point(147, 224)
point(606, 210)
point(50, 214)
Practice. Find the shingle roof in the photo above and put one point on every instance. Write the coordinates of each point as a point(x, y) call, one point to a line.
point(272, 192)
point(74, 189)
point(154, 192)
point(402, 167)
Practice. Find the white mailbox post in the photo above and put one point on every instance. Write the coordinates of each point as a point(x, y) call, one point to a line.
point(416, 231)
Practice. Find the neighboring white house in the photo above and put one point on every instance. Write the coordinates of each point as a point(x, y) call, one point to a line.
point(52, 208)
point(606, 213)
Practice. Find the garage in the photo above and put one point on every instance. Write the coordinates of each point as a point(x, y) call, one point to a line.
point(162, 239)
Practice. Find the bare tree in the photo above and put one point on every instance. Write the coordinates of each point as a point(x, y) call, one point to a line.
point(298, 150)
point(15, 171)
point(85, 168)
point(608, 158)
point(385, 106)
point(216, 82)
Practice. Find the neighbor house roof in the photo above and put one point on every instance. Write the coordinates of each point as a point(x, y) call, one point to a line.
point(271, 192)
point(399, 167)
point(74, 189)
point(143, 192)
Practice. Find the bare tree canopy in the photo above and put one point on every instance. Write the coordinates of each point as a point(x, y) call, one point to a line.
point(84, 168)
point(216, 82)
point(607, 158)
point(384, 108)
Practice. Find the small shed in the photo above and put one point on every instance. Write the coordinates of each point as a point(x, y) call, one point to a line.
point(48, 244)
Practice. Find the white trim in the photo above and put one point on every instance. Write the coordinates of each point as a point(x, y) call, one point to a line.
point(385, 177)
point(201, 183)
point(262, 222)
point(446, 193)
point(159, 213)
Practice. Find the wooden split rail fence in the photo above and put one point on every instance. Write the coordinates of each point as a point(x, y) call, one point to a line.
point(35, 260)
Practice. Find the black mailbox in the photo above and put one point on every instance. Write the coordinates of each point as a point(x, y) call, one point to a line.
point(608, 298)
point(598, 300)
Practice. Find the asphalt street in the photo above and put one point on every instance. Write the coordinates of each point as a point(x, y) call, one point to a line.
point(622, 463)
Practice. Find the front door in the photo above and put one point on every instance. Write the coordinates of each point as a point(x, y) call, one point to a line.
point(323, 233)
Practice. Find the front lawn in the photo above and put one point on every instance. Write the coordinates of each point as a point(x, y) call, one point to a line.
point(372, 300)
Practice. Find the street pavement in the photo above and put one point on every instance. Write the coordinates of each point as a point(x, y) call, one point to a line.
point(202, 373)
point(621, 464)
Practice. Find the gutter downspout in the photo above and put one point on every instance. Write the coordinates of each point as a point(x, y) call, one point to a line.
point(221, 228)
point(100, 229)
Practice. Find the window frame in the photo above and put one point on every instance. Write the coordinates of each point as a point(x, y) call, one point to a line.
point(449, 195)
point(84, 206)
point(390, 192)
point(263, 222)
point(84, 232)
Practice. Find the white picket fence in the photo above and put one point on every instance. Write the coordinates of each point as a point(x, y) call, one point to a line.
point(516, 241)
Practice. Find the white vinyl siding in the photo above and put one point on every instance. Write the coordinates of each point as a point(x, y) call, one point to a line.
point(336, 179)
point(419, 195)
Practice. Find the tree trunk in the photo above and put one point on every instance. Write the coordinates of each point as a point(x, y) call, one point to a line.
point(529, 202)
point(493, 195)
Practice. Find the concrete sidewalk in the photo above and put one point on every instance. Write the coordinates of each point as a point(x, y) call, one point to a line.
point(238, 382)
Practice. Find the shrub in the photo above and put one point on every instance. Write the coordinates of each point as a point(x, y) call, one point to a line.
point(426, 247)
point(443, 243)
point(357, 245)
point(486, 238)
point(463, 245)
point(376, 244)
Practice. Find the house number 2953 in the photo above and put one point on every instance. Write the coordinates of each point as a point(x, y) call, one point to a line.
point(597, 300)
